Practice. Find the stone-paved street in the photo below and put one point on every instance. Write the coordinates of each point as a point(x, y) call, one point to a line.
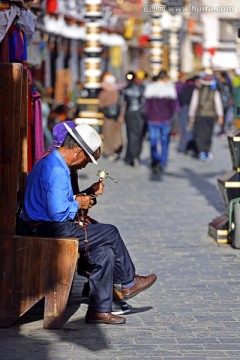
point(193, 310)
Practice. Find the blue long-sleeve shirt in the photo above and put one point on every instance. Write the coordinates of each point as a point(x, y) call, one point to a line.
point(49, 194)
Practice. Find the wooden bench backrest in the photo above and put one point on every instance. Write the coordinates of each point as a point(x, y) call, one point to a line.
point(13, 127)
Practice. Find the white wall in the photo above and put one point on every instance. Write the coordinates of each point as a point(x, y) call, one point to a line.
point(226, 59)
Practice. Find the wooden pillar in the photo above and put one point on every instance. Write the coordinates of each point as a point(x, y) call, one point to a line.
point(93, 47)
point(174, 47)
point(156, 51)
point(11, 77)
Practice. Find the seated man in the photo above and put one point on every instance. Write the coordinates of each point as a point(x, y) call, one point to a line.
point(59, 133)
point(50, 207)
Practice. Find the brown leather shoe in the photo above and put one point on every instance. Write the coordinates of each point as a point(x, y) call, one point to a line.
point(94, 317)
point(141, 283)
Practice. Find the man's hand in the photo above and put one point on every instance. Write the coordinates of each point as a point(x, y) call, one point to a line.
point(190, 124)
point(220, 120)
point(98, 188)
point(84, 201)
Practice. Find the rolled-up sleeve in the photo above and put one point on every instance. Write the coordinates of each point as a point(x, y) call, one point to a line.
point(218, 103)
point(60, 201)
point(193, 103)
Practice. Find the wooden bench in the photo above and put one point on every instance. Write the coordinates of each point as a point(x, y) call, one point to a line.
point(31, 268)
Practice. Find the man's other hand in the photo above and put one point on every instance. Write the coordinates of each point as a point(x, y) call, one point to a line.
point(98, 188)
point(84, 201)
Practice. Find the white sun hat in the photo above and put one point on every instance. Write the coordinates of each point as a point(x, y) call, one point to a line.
point(86, 137)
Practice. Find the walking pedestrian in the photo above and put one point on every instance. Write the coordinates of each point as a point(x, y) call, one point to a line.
point(236, 98)
point(205, 107)
point(132, 98)
point(185, 143)
point(225, 88)
point(160, 105)
point(109, 105)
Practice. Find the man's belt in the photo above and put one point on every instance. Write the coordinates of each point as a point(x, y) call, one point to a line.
point(34, 223)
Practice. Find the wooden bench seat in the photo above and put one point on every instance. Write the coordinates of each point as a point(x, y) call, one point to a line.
point(32, 269)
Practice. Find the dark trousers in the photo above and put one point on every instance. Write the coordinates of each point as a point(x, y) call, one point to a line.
point(222, 128)
point(135, 127)
point(107, 256)
point(185, 135)
point(202, 133)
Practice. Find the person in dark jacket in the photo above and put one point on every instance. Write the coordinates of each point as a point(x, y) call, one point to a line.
point(160, 104)
point(184, 98)
point(132, 97)
point(225, 88)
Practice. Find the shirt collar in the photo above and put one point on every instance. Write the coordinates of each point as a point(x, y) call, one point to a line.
point(61, 159)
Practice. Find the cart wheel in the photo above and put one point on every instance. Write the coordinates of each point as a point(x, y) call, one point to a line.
point(236, 230)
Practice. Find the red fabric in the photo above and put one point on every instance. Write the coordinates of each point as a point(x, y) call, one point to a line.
point(52, 6)
point(16, 44)
point(211, 51)
point(143, 40)
point(30, 133)
point(37, 126)
point(30, 139)
point(199, 49)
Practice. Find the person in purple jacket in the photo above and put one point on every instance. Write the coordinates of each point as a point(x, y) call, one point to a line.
point(159, 107)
